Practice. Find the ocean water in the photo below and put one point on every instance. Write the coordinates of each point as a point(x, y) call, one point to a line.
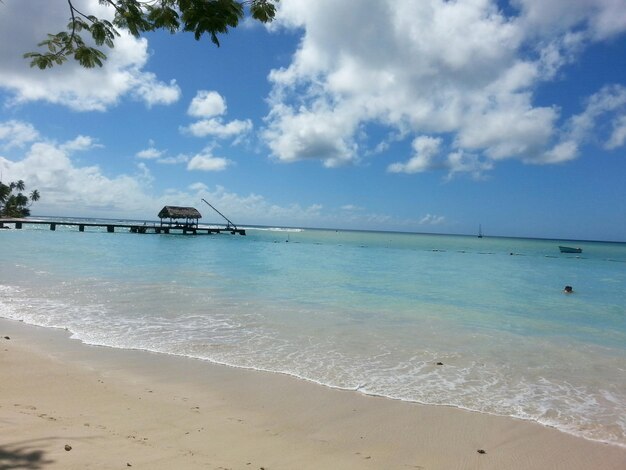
point(363, 311)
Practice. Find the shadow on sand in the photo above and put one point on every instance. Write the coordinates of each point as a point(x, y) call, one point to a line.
point(18, 456)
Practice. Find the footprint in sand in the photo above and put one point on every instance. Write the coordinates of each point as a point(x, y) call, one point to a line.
point(45, 416)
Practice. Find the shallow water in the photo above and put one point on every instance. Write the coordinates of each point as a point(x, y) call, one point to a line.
point(373, 312)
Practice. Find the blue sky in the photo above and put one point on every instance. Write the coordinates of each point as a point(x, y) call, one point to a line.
point(424, 116)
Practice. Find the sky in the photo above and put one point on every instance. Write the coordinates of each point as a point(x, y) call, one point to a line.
point(407, 115)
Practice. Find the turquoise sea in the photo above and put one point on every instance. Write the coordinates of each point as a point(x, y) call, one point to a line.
point(372, 312)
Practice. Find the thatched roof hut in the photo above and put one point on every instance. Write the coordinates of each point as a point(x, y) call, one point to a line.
point(190, 214)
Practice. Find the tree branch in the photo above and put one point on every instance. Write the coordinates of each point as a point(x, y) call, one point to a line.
point(212, 17)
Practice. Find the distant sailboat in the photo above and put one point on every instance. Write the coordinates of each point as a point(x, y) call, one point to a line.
point(480, 231)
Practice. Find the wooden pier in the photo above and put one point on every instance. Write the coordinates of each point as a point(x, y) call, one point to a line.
point(111, 227)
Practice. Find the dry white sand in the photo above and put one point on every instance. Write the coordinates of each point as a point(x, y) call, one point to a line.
point(121, 409)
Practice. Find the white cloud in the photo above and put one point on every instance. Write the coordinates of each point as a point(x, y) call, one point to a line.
point(255, 209)
point(463, 162)
point(63, 185)
point(430, 219)
point(216, 128)
point(210, 105)
point(460, 70)
point(17, 133)
point(426, 150)
point(78, 144)
point(600, 19)
point(207, 162)
point(150, 153)
point(618, 136)
point(606, 103)
point(557, 52)
point(70, 189)
point(515, 131)
point(561, 152)
point(198, 187)
point(160, 156)
point(180, 158)
point(147, 88)
point(207, 104)
point(406, 71)
point(71, 85)
point(428, 156)
point(351, 208)
point(608, 100)
point(311, 134)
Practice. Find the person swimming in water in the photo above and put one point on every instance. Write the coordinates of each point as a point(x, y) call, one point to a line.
point(568, 290)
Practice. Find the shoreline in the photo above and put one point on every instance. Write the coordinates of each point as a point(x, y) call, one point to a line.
point(360, 389)
point(117, 407)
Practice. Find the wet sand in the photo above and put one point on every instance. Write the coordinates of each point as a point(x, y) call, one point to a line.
point(120, 409)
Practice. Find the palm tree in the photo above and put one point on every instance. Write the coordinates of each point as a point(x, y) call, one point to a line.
point(16, 205)
point(19, 185)
point(4, 192)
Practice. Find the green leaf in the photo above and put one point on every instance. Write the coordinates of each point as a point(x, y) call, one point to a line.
point(129, 14)
point(77, 25)
point(103, 33)
point(44, 61)
point(263, 10)
point(211, 17)
point(164, 17)
point(89, 57)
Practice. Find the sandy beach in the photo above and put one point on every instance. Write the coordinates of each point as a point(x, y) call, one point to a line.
point(67, 405)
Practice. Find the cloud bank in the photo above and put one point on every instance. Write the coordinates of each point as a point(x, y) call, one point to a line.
point(70, 188)
point(457, 78)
